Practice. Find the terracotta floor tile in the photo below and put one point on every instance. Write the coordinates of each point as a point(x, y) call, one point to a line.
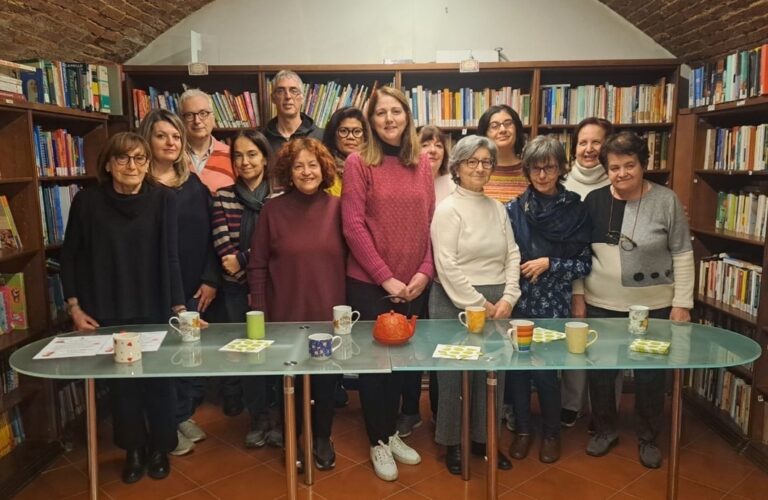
point(713, 445)
point(354, 446)
point(623, 496)
point(214, 464)
point(446, 486)
point(522, 470)
point(304, 494)
point(355, 483)
point(58, 463)
point(407, 494)
point(150, 489)
point(611, 470)
point(256, 482)
point(198, 494)
point(58, 483)
point(110, 466)
point(228, 429)
point(412, 474)
point(713, 470)
point(85, 495)
point(342, 463)
point(755, 485)
point(514, 495)
point(653, 486)
point(554, 484)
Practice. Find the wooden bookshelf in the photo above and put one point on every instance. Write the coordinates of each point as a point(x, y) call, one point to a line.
point(20, 182)
point(716, 418)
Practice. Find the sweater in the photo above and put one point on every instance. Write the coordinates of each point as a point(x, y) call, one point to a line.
point(444, 186)
point(584, 180)
point(218, 171)
point(386, 212)
point(659, 271)
point(296, 268)
point(120, 254)
point(474, 245)
point(306, 129)
point(506, 183)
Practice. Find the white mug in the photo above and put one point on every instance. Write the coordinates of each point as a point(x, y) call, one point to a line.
point(189, 325)
point(344, 319)
point(638, 319)
point(127, 347)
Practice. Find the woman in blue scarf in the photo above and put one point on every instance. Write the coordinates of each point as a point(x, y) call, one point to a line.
point(552, 228)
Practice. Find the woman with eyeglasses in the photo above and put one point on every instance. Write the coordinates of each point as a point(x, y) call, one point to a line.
point(503, 126)
point(120, 265)
point(345, 133)
point(642, 255)
point(235, 212)
point(478, 264)
point(553, 230)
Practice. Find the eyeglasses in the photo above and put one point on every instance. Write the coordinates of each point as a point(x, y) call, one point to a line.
point(547, 169)
point(618, 238)
point(282, 91)
point(355, 132)
point(190, 117)
point(509, 123)
point(138, 160)
point(474, 162)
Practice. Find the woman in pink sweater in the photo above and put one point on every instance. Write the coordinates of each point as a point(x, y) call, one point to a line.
point(387, 207)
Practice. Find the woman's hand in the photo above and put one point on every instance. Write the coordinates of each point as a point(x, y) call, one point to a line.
point(680, 314)
point(230, 264)
point(578, 306)
point(396, 289)
point(503, 310)
point(532, 269)
point(416, 287)
point(204, 295)
point(82, 321)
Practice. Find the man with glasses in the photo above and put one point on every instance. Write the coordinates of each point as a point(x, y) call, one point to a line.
point(290, 122)
point(210, 158)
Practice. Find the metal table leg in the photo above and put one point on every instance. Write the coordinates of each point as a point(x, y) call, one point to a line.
point(307, 409)
point(465, 398)
point(93, 445)
point(492, 445)
point(674, 445)
point(289, 431)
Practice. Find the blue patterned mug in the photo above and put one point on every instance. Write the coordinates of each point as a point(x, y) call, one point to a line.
point(322, 345)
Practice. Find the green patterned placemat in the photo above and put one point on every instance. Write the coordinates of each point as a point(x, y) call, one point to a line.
point(545, 335)
point(650, 346)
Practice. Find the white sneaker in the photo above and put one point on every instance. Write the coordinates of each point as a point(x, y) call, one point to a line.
point(192, 431)
point(383, 463)
point(402, 452)
point(184, 446)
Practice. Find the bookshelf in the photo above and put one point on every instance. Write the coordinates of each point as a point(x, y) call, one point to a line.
point(698, 180)
point(21, 180)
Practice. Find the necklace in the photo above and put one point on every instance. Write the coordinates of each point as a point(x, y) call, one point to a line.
point(627, 243)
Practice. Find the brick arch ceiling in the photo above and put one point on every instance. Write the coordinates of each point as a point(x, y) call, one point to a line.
point(116, 30)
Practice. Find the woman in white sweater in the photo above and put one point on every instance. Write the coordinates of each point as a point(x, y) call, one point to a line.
point(478, 264)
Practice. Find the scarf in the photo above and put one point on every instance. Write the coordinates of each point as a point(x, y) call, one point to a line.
point(588, 176)
point(252, 202)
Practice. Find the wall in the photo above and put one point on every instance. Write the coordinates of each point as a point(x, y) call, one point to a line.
point(363, 31)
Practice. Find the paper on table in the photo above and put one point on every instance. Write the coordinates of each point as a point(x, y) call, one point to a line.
point(448, 351)
point(72, 347)
point(545, 335)
point(247, 345)
point(150, 342)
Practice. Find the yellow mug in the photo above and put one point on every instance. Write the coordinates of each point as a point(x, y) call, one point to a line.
point(576, 333)
point(473, 317)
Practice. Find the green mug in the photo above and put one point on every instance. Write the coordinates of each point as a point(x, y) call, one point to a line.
point(254, 321)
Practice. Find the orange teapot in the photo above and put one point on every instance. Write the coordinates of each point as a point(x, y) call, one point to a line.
point(393, 328)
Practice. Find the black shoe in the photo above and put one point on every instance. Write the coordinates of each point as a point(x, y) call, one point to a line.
point(568, 417)
point(340, 397)
point(133, 468)
point(453, 459)
point(502, 462)
point(650, 454)
point(325, 456)
point(232, 405)
point(158, 466)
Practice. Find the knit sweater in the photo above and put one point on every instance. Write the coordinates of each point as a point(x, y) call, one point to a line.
point(444, 186)
point(584, 180)
point(506, 183)
point(386, 211)
point(474, 245)
point(218, 171)
point(296, 268)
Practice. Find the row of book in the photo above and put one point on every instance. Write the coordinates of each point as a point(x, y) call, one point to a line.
point(13, 303)
point(562, 104)
point(73, 85)
point(11, 431)
point(9, 378)
point(743, 212)
point(658, 146)
point(229, 110)
point(9, 233)
point(463, 107)
point(57, 152)
point(736, 148)
point(55, 201)
point(733, 282)
point(58, 305)
point(71, 402)
point(725, 390)
point(736, 76)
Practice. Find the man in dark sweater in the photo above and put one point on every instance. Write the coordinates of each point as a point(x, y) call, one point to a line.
point(290, 122)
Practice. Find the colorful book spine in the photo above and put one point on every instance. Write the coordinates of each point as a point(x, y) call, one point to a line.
point(743, 212)
point(737, 76)
point(55, 203)
point(730, 281)
point(463, 107)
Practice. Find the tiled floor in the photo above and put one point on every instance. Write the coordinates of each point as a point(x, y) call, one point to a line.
point(220, 467)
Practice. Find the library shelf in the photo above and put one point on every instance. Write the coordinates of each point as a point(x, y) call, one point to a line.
point(757, 452)
point(734, 173)
point(14, 254)
point(715, 418)
point(731, 311)
point(571, 126)
point(53, 247)
point(16, 397)
point(729, 107)
point(741, 372)
point(17, 180)
point(67, 178)
point(729, 235)
point(24, 462)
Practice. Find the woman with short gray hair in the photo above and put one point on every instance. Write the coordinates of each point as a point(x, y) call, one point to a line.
point(478, 264)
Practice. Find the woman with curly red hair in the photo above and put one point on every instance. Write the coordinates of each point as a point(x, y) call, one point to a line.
point(297, 265)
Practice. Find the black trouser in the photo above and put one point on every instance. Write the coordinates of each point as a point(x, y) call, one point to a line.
point(380, 392)
point(135, 401)
point(323, 389)
point(649, 389)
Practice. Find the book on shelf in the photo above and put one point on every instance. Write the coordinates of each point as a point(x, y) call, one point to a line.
point(743, 212)
point(8, 376)
point(733, 282)
point(737, 76)
point(563, 104)
point(71, 402)
point(9, 234)
point(55, 203)
point(725, 391)
point(15, 298)
point(11, 431)
point(741, 148)
point(57, 152)
point(463, 107)
point(58, 305)
point(13, 80)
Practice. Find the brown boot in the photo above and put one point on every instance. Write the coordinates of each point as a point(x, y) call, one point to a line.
point(521, 444)
point(550, 450)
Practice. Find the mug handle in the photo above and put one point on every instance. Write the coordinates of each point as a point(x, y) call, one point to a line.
point(335, 343)
point(593, 340)
point(355, 349)
point(354, 320)
point(463, 318)
point(177, 361)
point(512, 332)
point(170, 323)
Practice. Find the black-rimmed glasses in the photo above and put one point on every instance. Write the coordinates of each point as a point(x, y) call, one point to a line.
point(138, 160)
point(356, 132)
point(474, 163)
point(190, 117)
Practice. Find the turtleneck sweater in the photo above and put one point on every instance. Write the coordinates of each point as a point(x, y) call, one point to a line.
point(584, 180)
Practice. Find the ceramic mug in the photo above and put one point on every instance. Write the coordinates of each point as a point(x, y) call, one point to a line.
point(473, 317)
point(576, 334)
point(521, 334)
point(638, 319)
point(189, 325)
point(254, 324)
point(344, 319)
point(127, 346)
point(322, 345)
point(189, 355)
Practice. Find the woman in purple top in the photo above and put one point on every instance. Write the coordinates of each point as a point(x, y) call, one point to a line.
point(387, 205)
